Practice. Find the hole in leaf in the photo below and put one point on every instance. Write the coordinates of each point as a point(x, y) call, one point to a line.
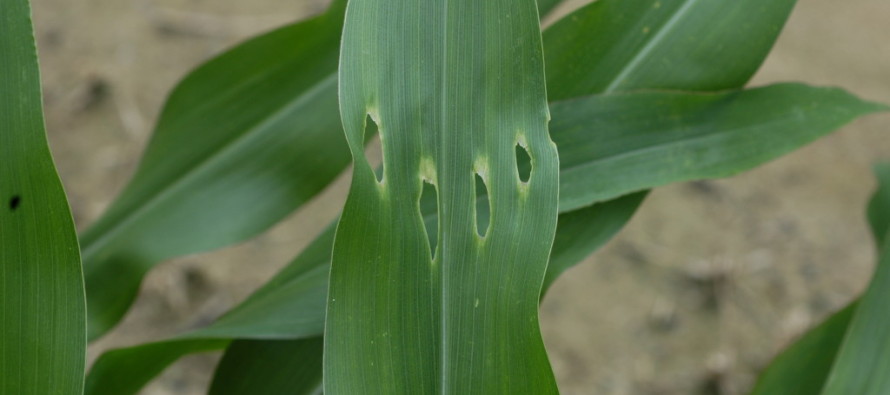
point(14, 202)
point(429, 208)
point(523, 163)
point(374, 147)
point(483, 207)
point(370, 129)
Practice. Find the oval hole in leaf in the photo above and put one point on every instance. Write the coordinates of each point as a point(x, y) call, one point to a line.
point(374, 148)
point(429, 206)
point(523, 163)
point(483, 207)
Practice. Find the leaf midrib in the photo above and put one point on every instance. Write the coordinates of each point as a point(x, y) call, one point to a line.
point(663, 31)
point(439, 267)
point(691, 139)
point(214, 100)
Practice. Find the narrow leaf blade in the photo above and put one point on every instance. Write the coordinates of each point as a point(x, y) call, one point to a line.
point(658, 44)
point(879, 207)
point(616, 144)
point(864, 358)
point(42, 307)
point(126, 370)
point(247, 365)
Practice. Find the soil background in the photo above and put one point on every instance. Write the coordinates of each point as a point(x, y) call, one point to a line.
point(699, 292)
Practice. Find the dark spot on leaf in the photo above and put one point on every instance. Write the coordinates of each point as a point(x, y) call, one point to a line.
point(15, 202)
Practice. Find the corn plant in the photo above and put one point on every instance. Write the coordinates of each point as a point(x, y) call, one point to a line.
point(509, 155)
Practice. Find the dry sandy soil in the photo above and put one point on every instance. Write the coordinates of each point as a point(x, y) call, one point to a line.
point(700, 290)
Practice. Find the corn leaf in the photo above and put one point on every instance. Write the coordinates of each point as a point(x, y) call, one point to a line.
point(879, 207)
point(220, 166)
point(454, 88)
point(863, 360)
point(245, 369)
point(126, 370)
point(804, 368)
point(694, 45)
point(614, 46)
point(42, 317)
point(621, 143)
point(611, 46)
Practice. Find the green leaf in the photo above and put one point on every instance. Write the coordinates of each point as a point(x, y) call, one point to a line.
point(231, 156)
point(863, 361)
point(246, 368)
point(599, 48)
point(126, 370)
point(660, 44)
point(615, 144)
point(454, 87)
point(42, 317)
point(879, 207)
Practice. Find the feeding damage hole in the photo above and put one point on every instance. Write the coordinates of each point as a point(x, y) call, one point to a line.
point(374, 147)
point(483, 207)
point(429, 207)
point(523, 163)
point(15, 202)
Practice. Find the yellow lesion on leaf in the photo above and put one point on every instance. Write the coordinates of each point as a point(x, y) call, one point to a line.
point(481, 167)
point(428, 170)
